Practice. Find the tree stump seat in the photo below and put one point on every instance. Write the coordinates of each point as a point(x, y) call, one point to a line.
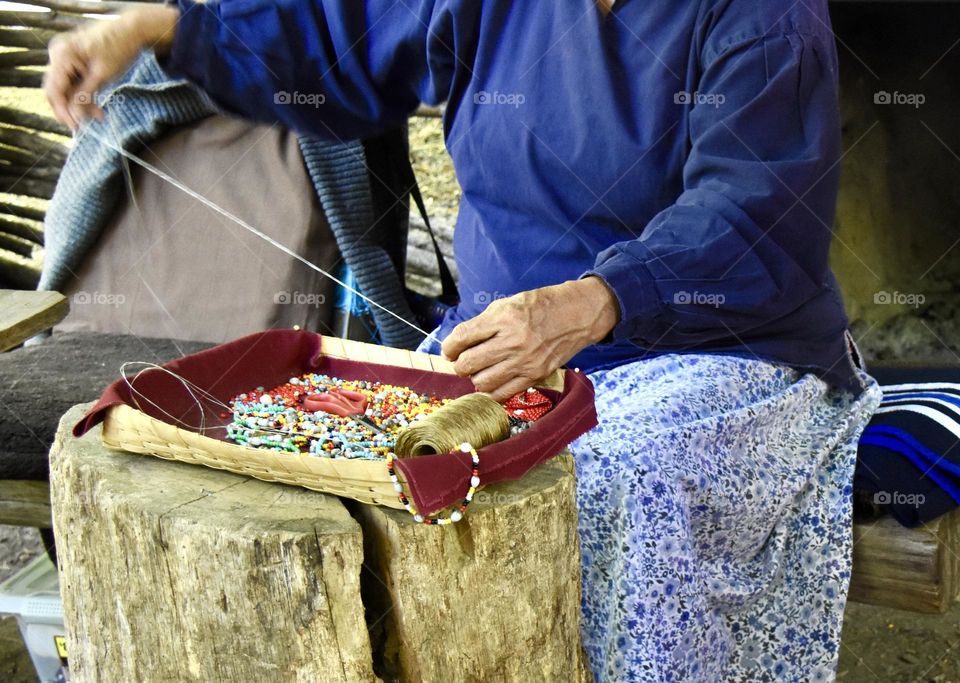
point(176, 572)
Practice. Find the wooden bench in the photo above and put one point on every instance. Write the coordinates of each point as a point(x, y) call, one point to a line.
point(24, 314)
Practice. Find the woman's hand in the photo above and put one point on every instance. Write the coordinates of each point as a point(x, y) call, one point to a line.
point(83, 60)
point(521, 339)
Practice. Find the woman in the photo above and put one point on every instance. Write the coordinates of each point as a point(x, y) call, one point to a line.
point(648, 190)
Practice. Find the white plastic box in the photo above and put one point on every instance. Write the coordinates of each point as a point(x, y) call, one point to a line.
point(32, 595)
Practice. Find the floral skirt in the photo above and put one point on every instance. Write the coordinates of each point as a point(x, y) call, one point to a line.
point(715, 513)
point(715, 520)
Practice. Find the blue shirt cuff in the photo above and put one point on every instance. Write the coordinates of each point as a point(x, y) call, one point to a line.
point(636, 294)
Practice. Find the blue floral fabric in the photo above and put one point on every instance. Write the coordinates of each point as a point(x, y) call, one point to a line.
point(715, 520)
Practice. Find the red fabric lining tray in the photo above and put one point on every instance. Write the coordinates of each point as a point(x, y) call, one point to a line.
point(272, 357)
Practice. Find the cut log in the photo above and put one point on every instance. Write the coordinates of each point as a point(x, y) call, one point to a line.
point(25, 503)
point(912, 569)
point(24, 314)
point(495, 597)
point(24, 119)
point(30, 187)
point(19, 211)
point(212, 576)
point(51, 21)
point(84, 6)
point(26, 229)
point(19, 245)
point(32, 39)
point(32, 142)
point(19, 271)
point(170, 572)
point(23, 58)
point(21, 78)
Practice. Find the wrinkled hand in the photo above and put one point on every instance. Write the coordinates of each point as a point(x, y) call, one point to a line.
point(521, 339)
point(83, 60)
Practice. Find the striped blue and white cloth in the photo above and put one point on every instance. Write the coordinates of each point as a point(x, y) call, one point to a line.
point(909, 458)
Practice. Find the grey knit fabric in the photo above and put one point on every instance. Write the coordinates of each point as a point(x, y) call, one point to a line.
point(139, 106)
point(143, 104)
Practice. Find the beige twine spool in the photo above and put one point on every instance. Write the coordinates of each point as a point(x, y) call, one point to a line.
point(475, 418)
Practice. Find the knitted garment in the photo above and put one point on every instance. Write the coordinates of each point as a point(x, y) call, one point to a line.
point(140, 107)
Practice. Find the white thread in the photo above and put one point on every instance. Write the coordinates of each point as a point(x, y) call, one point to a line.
point(187, 384)
point(88, 129)
point(196, 393)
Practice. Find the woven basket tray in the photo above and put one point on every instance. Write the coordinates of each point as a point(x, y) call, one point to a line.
point(364, 480)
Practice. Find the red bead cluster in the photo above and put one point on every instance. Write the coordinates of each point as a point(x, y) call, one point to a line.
point(529, 405)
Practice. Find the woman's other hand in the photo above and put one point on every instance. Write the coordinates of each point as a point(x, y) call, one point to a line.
point(523, 338)
point(82, 61)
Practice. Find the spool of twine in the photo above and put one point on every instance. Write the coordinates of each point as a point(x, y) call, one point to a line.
point(474, 418)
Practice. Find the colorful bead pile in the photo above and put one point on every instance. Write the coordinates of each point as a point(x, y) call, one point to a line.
point(277, 420)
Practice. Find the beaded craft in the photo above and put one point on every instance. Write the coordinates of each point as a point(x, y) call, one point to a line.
point(312, 414)
point(330, 417)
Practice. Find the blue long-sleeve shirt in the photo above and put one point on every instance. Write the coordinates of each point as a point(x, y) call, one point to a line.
point(685, 152)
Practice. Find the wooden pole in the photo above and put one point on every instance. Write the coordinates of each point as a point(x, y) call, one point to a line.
point(20, 78)
point(28, 38)
point(46, 124)
point(19, 211)
point(26, 230)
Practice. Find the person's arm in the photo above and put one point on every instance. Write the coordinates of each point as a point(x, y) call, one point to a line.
point(747, 241)
point(744, 244)
point(337, 68)
point(82, 61)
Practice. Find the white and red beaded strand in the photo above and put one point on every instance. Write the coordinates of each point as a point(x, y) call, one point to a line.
point(457, 514)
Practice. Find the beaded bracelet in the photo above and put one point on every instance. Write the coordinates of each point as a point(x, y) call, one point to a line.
point(457, 514)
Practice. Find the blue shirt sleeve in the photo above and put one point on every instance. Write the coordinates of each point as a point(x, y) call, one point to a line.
point(747, 240)
point(339, 69)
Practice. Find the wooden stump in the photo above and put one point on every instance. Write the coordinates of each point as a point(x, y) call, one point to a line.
point(495, 597)
point(912, 569)
point(176, 572)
